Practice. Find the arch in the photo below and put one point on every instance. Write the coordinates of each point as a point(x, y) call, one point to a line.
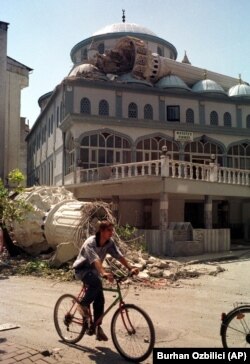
point(190, 116)
point(202, 148)
point(214, 120)
point(104, 147)
point(149, 147)
point(248, 121)
point(132, 110)
point(103, 108)
point(69, 153)
point(238, 154)
point(227, 119)
point(85, 106)
point(148, 112)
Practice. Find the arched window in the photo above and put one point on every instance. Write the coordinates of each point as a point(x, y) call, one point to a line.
point(227, 119)
point(159, 51)
point(85, 106)
point(200, 151)
point(248, 122)
point(103, 149)
point(239, 156)
point(84, 54)
point(101, 48)
point(70, 154)
point(148, 112)
point(214, 118)
point(132, 110)
point(151, 148)
point(103, 108)
point(190, 116)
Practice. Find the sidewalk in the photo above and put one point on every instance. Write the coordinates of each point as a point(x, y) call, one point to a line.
point(13, 353)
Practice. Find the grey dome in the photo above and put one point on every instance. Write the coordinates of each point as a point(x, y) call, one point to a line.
point(240, 90)
point(207, 86)
point(128, 78)
point(124, 28)
point(171, 81)
point(87, 70)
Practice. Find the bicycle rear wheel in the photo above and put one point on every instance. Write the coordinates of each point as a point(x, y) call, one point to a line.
point(132, 333)
point(68, 321)
point(235, 328)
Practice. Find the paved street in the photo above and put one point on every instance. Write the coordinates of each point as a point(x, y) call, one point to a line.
point(185, 314)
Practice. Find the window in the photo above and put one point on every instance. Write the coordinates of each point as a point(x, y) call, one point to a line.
point(248, 122)
point(159, 51)
point(132, 110)
point(101, 48)
point(85, 106)
point(214, 118)
point(173, 113)
point(151, 148)
point(103, 149)
point(84, 53)
point(227, 119)
point(190, 116)
point(239, 156)
point(57, 116)
point(103, 108)
point(148, 112)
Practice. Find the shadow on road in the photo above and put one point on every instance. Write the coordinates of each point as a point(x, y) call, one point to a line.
point(99, 354)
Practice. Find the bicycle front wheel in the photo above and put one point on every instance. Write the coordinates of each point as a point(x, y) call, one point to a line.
point(68, 321)
point(132, 333)
point(235, 329)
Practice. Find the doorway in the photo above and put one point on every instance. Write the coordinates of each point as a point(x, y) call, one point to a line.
point(194, 213)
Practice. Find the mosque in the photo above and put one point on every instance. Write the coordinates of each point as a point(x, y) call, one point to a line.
point(166, 142)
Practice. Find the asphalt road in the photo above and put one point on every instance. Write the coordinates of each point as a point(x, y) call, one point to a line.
point(186, 314)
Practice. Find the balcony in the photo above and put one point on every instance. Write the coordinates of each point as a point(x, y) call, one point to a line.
point(165, 167)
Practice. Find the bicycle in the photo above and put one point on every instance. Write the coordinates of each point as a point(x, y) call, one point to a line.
point(132, 330)
point(235, 327)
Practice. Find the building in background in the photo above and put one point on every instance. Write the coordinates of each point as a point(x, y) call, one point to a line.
point(166, 142)
point(14, 76)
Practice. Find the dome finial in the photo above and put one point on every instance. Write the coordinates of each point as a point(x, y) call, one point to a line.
point(123, 16)
point(205, 74)
point(240, 80)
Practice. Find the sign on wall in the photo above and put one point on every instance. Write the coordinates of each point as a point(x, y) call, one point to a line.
point(183, 136)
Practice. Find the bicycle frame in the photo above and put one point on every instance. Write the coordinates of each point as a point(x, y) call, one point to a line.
point(117, 299)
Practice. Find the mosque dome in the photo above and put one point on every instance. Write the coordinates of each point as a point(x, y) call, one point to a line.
point(87, 70)
point(124, 28)
point(128, 78)
point(172, 81)
point(208, 86)
point(240, 90)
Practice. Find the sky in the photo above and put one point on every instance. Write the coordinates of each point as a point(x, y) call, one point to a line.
point(214, 33)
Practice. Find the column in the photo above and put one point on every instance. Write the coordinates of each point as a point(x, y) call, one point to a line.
point(208, 213)
point(164, 211)
point(115, 207)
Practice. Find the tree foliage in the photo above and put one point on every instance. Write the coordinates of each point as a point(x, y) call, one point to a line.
point(11, 208)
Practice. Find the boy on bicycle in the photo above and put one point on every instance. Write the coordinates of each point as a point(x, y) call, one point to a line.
point(89, 268)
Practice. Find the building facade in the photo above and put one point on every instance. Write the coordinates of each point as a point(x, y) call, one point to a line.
point(166, 142)
point(14, 76)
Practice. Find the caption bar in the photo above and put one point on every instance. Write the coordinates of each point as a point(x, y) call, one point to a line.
point(160, 355)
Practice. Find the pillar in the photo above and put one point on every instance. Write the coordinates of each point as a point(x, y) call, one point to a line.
point(164, 211)
point(208, 213)
point(115, 207)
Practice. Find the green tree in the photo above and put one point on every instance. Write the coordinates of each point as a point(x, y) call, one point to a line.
point(12, 208)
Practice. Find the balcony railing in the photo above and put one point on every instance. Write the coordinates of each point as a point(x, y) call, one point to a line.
point(166, 167)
